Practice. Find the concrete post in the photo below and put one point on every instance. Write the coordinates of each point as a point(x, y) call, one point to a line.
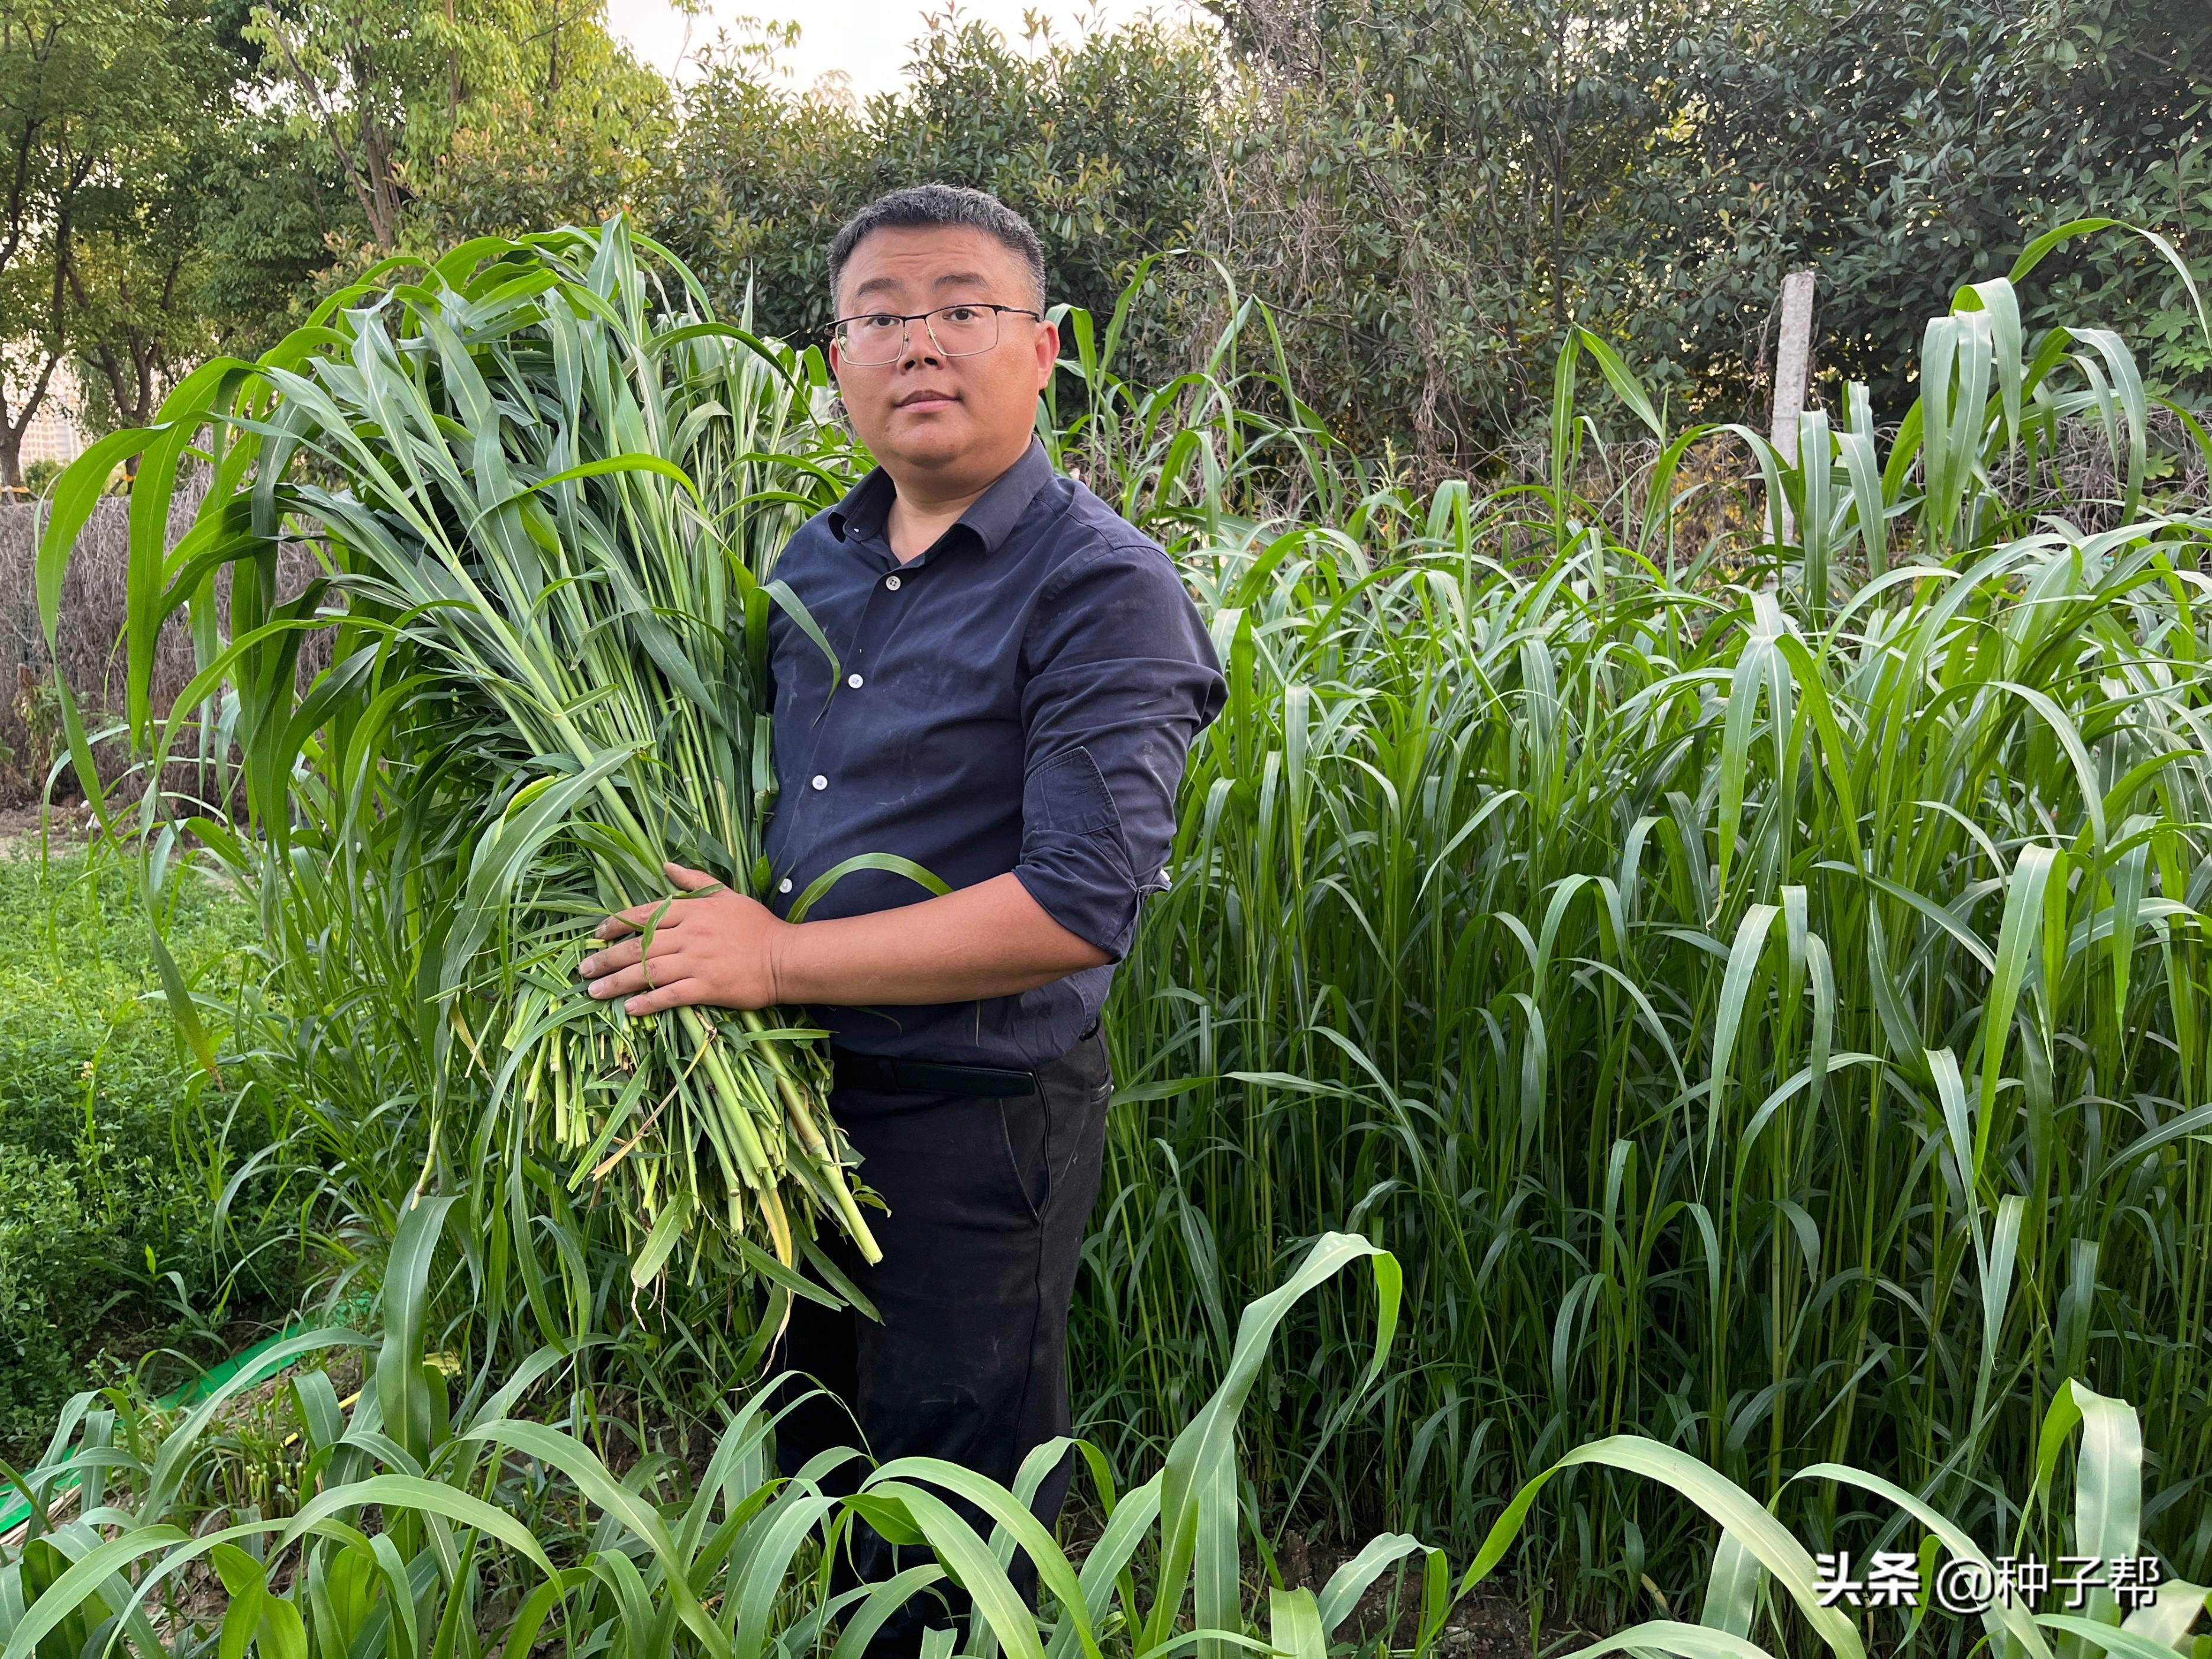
point(1793, 372)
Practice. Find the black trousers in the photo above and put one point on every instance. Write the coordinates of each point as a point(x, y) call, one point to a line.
point(989, 1200)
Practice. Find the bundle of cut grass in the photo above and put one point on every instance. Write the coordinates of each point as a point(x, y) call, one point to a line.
point(547, 486)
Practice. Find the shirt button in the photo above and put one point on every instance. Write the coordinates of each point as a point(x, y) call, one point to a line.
point(853, 680)
point(891, 582)
point(820, 782)
point(784, 886)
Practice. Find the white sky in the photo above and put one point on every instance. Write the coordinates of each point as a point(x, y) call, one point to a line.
point(868, 40)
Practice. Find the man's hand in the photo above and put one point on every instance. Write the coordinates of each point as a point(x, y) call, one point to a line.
point(716, 947)
point(710, 946)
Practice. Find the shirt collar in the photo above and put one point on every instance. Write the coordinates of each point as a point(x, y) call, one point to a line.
point(992, 516)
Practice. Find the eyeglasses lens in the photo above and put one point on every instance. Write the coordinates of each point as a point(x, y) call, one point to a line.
point(958, 331)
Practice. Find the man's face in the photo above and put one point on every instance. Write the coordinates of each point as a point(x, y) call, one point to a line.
point(964, 419)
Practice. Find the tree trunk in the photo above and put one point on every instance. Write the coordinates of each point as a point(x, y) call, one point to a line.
point(130, 385)
point(453, 71)
point(13, 426)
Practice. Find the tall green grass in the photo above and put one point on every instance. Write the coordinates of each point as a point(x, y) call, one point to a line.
point(1768, 1014)
point(405, 1519)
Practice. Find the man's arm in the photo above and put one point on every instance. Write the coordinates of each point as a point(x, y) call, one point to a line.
point(1124, 677)
point(718, 948)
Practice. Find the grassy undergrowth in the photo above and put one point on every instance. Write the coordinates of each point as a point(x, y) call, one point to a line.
point(433, 1511)
point(115, 1160)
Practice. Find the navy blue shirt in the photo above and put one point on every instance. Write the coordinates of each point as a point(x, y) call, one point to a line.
point(1020, 697)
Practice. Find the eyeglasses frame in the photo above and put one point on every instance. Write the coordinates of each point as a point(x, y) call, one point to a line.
point(923, 317)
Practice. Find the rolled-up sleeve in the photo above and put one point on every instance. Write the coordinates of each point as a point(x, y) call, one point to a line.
point(1120, 678)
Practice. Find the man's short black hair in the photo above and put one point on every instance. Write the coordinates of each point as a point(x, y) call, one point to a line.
point(922, 206)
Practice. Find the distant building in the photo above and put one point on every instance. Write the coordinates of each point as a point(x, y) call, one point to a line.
point(54, 434)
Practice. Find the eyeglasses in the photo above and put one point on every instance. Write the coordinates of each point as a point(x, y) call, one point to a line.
point(960, 330)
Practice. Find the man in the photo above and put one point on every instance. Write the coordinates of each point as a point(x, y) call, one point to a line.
point(1018, 675)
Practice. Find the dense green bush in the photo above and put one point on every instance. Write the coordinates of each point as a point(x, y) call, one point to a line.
point(1103, 143)
point(1903, 147)
point(114, 1158)
point(43, 1241)
point(1428, 195)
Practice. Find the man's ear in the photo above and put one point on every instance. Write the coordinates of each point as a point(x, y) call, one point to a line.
point(1048, 350)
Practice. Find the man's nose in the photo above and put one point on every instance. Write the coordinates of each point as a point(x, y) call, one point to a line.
point(919, 348)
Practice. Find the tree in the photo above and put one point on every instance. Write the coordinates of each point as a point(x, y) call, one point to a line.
point(766, 176)
point(84, 86)
point(136, 264)
point(1425, 189)
point(586, 138)
point(135, 324)
point(1103, 143)
point(1906, 146)
point(275, 215)
point(389, 85)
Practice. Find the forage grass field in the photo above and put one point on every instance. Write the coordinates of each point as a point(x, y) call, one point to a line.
point(1659, 1056)
point(1767, 1013)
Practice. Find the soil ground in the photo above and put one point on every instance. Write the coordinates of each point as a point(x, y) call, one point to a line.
point(1487, 1625)
point(1484, 1626)
point(66, 823)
